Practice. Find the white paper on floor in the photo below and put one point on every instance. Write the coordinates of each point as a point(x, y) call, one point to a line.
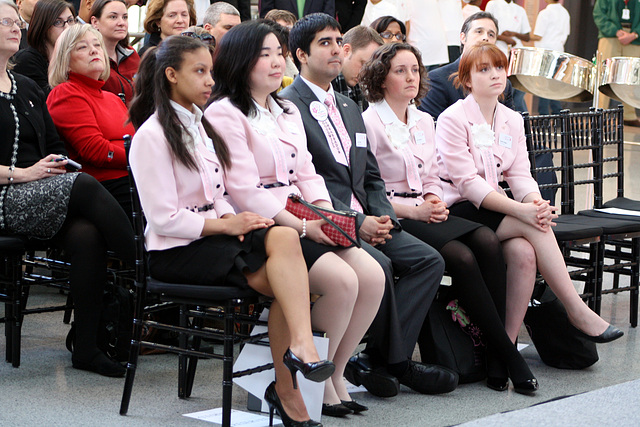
point(238, 418)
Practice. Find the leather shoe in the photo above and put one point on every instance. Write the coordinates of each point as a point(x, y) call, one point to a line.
point(429, 379)
point(498, 384)
point(526, 387)
point(377, 381)
point(610, 334)
point(635, 123)
point(335, 410)
point(354, 406)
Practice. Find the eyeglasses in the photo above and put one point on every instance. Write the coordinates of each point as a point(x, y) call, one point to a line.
point(204, 38)
point(8, 22)
point(60, 23)
point(387, 35)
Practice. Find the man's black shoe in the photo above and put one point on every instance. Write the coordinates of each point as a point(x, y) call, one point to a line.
point(429, 379)
point(375, 379)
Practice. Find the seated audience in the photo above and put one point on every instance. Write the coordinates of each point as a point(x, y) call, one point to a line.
point(91, 121)
point(111, 19)
point(480, 142)
point(167, 18)
point(358, 44)
point(219, 18)
point(49, 19)
point(41, 200)
point(403, 141)
point(270, 160)
point(336, 138)
point(391, 30)
point(193, 235)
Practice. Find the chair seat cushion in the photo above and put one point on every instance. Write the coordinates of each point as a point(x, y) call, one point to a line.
point(569, 227)
point(612, 223)
point(200, 293)
point(623, 203)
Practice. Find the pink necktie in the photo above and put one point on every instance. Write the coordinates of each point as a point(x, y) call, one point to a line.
point(336, 119)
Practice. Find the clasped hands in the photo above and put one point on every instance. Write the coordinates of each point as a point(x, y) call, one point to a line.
point(625, 37)
point(539, 213)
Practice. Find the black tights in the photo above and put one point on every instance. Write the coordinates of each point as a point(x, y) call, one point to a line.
point(476, 265)
point(95, 223)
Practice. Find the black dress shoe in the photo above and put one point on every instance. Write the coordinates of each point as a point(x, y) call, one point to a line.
point(498, 384)
point(610, 334)
point(429, 379)
point(526, 387)
point(377, 381)
point(100, 364)
point(336, 410)
point(354, 406)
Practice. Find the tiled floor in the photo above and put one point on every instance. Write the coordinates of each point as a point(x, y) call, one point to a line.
point(45, 390)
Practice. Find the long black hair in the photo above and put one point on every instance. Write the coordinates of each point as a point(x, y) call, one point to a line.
point(152, 91)
point(236, 55)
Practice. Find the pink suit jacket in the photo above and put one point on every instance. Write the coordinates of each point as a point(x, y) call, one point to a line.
point(460, 161)
point(169, 190)
point(253, 165)
point(390, 160)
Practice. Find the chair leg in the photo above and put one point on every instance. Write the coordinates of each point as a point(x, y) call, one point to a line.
point(138, 321)
point(634, 280)
point(599, 264)
point(227, 364)
point(198, 323)
point(67, 312)
point(16, 328)
point(182, 359)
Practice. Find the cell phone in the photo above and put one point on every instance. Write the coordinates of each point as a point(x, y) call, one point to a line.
point(71, 165)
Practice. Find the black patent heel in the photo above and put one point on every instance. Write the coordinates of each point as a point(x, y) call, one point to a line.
point(313, 371)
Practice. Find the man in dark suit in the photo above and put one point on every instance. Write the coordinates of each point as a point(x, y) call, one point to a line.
point(310, 6)
point(336, 138)
point(479, 27)
point(243, 6)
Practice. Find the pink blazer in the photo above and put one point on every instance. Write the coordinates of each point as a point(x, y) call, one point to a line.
point(170, 192)
point(461, 162)
point(253, 164)
point(390, 159)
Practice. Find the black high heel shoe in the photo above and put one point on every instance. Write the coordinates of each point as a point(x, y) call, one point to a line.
point(335, 410)
point(610, 334)
point(272, 399)
point(354, 406)
point(313, 371)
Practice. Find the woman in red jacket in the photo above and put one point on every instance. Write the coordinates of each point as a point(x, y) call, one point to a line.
point(111, 19)
point(91, 121)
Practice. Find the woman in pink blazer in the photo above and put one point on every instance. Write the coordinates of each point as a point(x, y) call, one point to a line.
point(193, 235)
point(269, 157)
point(480, 143)
point(403, 141)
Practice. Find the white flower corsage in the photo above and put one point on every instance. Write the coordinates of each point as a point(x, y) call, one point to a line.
point(398, 133)
point(483, 136)
point(262, 123)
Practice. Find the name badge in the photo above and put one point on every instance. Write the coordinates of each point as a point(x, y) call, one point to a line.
point(293, 128)
point(419, 137)
point(318, 111)
point(361, 140)
point(626, 14)
point(505, 140)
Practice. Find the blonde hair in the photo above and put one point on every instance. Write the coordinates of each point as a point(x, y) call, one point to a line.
point(61, 57)
point(155, 10)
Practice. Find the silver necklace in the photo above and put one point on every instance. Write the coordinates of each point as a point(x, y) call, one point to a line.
point(14, 157)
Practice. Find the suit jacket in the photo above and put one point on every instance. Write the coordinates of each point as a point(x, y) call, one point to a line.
point(460, 161)
point(392, 164)
point(253, 160)
point(362, 178)
point(310, 6)
point(243, 6)
point(169, 190)
point(442, 93)
point(30, 63)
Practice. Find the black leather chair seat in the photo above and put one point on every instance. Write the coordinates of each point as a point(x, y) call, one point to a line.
point(203, 294)
point(571, 228)
point(623, 203)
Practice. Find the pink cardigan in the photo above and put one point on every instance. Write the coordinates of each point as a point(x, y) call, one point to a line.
point(253, 164)
point(460, 160)
point(169, 191)
point(390, 159)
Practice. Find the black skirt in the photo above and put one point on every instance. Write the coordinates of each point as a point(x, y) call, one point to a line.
point(312, 251)
point(438, 234)
point(484, 216)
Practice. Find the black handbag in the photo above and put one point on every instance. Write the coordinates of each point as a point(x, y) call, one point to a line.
point(448, 338)
point(556, 340)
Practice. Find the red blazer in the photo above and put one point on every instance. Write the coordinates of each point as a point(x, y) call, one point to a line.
point(460, 161)
point(91, 122)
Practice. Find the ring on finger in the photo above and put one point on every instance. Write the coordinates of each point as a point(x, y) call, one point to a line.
point(48, 170)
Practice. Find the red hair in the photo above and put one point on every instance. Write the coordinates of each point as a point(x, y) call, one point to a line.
point(473, 59)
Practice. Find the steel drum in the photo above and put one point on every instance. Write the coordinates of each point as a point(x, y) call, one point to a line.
point(552, 75)
point(620, 80)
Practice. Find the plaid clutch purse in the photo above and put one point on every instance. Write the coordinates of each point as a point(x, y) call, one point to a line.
point(341, 227)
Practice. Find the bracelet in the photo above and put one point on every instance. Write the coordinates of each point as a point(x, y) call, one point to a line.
point(11, 169)
point(304, 228)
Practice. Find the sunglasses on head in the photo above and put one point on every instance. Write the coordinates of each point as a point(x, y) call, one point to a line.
point(204, 38)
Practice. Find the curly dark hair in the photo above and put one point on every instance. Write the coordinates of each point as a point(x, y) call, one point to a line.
point(374, 72)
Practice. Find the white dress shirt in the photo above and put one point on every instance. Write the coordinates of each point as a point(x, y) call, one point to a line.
point(511, 17)
point(553, 25)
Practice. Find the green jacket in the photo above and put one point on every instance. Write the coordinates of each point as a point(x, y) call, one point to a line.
point(607, 15)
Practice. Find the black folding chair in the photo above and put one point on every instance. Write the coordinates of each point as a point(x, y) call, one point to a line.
point(197, 305)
